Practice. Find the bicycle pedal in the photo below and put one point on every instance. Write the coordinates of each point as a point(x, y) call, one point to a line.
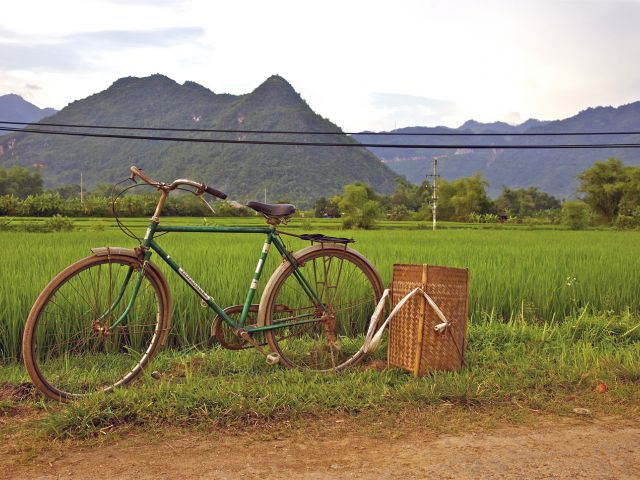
point(273, 359)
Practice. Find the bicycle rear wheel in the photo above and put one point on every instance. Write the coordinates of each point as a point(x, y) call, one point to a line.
point(69, 346)
point(330, 339)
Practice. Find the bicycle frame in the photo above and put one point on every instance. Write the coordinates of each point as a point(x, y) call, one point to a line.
point(149, 244)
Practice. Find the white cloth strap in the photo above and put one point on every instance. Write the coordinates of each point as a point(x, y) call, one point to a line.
point(373, 337)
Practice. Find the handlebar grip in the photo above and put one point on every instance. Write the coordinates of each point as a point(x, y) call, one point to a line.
point(214, 192)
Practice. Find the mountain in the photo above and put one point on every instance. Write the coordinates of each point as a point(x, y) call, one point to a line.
point(298, 174)
point(553, 171)
point(499, 127)
point(14, 108)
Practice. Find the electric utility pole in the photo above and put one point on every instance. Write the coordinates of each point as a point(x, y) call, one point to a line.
point(81, 195)
point(434, 196)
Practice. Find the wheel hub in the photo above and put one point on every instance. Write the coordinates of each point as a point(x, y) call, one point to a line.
point(99, 329)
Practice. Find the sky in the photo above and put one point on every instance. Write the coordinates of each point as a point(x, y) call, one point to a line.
point(365, 65)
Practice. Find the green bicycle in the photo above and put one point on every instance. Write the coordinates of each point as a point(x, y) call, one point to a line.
point(98, 323)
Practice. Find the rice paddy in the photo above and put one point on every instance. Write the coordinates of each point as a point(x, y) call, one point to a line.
point(535, 276)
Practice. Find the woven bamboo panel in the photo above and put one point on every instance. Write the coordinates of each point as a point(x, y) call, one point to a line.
point(413, 343)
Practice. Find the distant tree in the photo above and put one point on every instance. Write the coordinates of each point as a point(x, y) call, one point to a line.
point(326, 207)
point(68, 191)
point(524, 202)
point(602, 187)
point(459, 198)
point(42, 205)
point(630, 202)
point(20, 181)
point(359, 206)
point(412, 197)
point(103, 190)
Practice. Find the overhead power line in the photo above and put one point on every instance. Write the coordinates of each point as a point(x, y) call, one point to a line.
point(300, 132)
point(316, 144)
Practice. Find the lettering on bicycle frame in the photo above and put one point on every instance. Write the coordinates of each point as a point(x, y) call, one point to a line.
point(193, 283)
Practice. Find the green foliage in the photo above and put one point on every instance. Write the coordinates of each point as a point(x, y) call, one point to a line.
point(56, 223)
point(20, 182)
point(97, 205)
point(483, 218)
point(42, 205)
point(9, 205)
point(606, 186)
point(575, 215)
point(225, 209)
point(626, 222)
point(630, 202)
point(524, 202)
point(459, 198)
point(411, 196)
point(359, 206)
point(68, 191)
point(327, 207)
point(464, 199)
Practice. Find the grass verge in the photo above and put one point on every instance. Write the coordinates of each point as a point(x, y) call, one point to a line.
point(550, 368)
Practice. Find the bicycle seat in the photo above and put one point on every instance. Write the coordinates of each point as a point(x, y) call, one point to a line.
point(273, 209)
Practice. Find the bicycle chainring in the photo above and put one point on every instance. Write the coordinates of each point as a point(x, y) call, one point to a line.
point(224, 334)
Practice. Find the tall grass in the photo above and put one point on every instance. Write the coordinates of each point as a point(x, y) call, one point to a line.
point(538, 275)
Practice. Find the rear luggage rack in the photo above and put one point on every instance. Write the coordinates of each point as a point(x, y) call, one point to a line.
point(320, 238)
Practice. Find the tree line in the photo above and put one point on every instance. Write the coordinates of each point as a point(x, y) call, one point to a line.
point(609, 193)
point(462, 200)
point(22, 194)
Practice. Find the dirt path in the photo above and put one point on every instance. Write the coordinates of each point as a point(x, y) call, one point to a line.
point(602, 449)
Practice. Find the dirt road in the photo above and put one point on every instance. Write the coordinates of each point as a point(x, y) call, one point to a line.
point(599, 449)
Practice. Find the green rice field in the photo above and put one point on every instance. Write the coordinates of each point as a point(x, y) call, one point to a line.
point(534, 275)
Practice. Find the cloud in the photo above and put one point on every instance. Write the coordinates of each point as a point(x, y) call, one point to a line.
point(162, 37)
point(33, 86)
point(40, 57)
point(76, 51)
point(149, 3)
point(413, 109)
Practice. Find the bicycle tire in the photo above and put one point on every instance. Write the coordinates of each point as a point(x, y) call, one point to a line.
point(67, 352)
point(304, 347)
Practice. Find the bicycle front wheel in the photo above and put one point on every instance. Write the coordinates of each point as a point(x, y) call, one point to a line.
point(70, 344)
point(327, 337)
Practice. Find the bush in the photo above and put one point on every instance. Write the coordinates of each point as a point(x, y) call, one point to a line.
point(58, 223)
point(5, 224)
point(483, 217)
point(575, 215)
point(626, 222)
point(399, 212)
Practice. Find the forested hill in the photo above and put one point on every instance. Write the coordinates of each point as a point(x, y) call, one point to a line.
point(298, 174)
point(553, 171)
point(14, 108)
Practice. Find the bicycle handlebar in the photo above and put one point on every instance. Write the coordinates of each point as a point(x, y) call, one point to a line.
point(200, 187)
